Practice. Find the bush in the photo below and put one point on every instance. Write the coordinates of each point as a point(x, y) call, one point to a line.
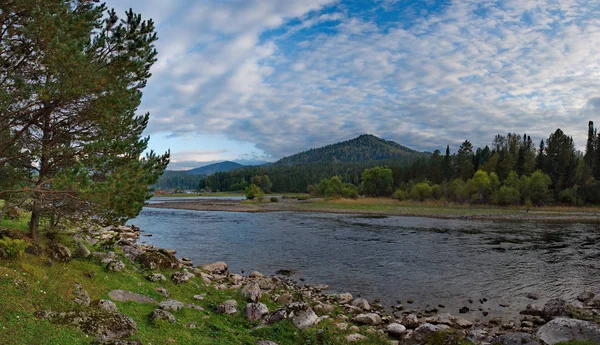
point(421, 191)
point(274, 199)
point(253, 191)
point(303, 197)
point(349, 191)
point(13, 248)
point(436, 191)
point(399, 195)
point(508, 196)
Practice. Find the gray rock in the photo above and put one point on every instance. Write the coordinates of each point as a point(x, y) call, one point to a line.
point(477, 336)
point(181, 277)
point(59, 252)
point(156, 277)
point(126, 296)
point(426, 329)
point(97, 322)
point(277, 316)
point(266, 342)
point(115, 266)
point(370, 319)
point(361, 303)
point(354, 337)
point(157, 259)
point(323, 308)
point(255, 311)
point(162, 315)
point(395, 329)
point(80, 296)
point(411, 321)
point(256, 274)
point(516, 339)
point(228, 307)
point(117, 342)
point(532, 310)
point(284, 299)
point(586, 297)
point(344, 297)
point(251, 292)
point(304, 318)
point(533, 296)
point(163, 292)
point(565, 329)
point(170, 305)
point(554, 308)
point(200, 297)
point(107, 305)
point(215, 267)
point(81, 251)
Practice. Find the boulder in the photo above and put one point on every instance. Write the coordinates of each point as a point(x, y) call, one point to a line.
point(126, 296)
point(115, 266)
point(163, 292)
point(344, 298)
point(304, 318)
point(426, 329)
point(255, 311)
point(97, 322)
point(215, 267)
point(162, 315)
point(411, 321)
point(228, 307)
point(395, 329)
point(554, 308)
point(354, 337)
point(80, 296)
point(256, 274)
point(477, 336)
point(515, 339)
point(251, 292)
point(156, 277)
point(370, 319)
point(266, 342)
point(59, 252)
point(81, 251)
point(157, 259)
point(563, 329)
point(361, 303)
point(285, 298)
point(181, 277)
point(107, 305)
point(277, 316)
point(586, 297)
point(131, 252)
point(170, 305)
point(117, 342)
point(323, 308)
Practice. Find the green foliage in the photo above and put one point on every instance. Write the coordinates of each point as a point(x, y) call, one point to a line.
point(263, 182)
point(274, 199)
point(479, 187)
point(349, 191)
point(399, 194)
point(14, 248)
point(377, 182)
point(538, 187)
point(446, 338)
point(421, 191)
point(508, 196)
point(253, 191)
point(436, 191)
point(179, 180)
point(240, 186)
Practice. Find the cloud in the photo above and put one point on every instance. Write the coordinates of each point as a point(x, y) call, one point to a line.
point(290, 75)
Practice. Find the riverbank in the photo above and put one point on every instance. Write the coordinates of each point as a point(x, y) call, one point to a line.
point(386, 206)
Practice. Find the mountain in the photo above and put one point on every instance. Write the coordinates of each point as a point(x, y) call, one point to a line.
point(215, 167)
point(366, 147)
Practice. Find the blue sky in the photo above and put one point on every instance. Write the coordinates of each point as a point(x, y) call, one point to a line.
point(254, 80)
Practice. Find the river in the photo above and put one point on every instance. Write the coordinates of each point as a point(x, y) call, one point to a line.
point(431, 261)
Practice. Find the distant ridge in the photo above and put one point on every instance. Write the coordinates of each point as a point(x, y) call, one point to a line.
point(215, 167)
point(363, 148)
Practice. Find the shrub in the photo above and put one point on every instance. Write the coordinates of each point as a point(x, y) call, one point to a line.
point(399, 195)
point(303, 197)
point(508, 196)
point(349, 191)
point(421, 191)
point(436, 191)
point(13, 248)
point(253, 191)
point(274, 199)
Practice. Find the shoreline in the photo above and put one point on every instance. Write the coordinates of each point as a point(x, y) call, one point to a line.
point(386, 209)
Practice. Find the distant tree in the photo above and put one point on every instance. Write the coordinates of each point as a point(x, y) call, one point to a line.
point(465, 160)
point(508, 196)
point(591, 147)
point(540, 159)
point(479, 187)
point(539, 184)
point(421, 191)
point(253, 191)
point(377, 182)
point(561, 160)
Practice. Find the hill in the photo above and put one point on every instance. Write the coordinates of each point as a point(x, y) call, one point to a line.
point(215, 167)
point(366, 147)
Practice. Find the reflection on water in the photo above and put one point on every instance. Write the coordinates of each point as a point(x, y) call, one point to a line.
point(393, 258)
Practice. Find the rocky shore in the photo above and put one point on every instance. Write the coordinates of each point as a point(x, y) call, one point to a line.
point(302, 305)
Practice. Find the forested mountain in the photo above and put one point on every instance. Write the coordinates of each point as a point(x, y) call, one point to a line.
point(216, 167)
point(346, 159)
point(366, 147)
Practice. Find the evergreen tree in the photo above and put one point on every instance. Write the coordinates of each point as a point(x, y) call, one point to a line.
point(465, 160)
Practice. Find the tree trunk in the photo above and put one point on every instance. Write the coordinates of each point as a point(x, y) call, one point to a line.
point(34, 222)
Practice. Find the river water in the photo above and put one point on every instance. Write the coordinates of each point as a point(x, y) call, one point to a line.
point(431, 261)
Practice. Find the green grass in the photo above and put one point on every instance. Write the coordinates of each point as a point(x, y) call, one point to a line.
point(29, 285)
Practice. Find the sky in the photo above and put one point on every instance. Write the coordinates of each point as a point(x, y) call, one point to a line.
point(256, 80)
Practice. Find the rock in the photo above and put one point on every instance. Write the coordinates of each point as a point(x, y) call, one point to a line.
point(463, 310)
point(462, 322)
point(533, 296)
point(126, 296)
point(117, 342)
point(285, 298)
point(59, 252)
point(228, 307)
point(163, 292)
point(235, 278)
point(170, 305)
point(321, 287)
point(477, 336)
point(369, 319)
point(515, 339)
point(285, 272)
point(354, 337)
point(344, 298)
point(361, 303)
point(156, 277)
point(200, 297)
point(565, 329)
point(80, 296)
point(527, 324)
point(256, 274)
point(277, 316)
point(496, 321)
point(304, 319)
point(266, 342)
point(97, 322)
point(162, 315)
point(107, 305)
point(440, 319)
point(157, 259)
point(131, 252)
point(251, 292)
point(426, 330)
point(411, 321)
point(193, 306)
point(81, 251)
point(554, 308)
point(395, 329)
point(255, 311)
point(586, 297)
point(115, 266)
point(532, 310)
point(323, 308)
point(215, 267)
point(181, 277)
